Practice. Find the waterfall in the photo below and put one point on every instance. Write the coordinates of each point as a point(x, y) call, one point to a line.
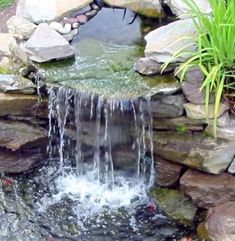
point(103, 147)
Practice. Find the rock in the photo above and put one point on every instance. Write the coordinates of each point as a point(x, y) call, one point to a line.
point(199, 112)
point(5, 40)
point(18, 51)
point(231, 168)
point(68, 37)
point(149, 8)
point(55, 25)
point(74, 32)
point(44, 10)
point(70, 20)
point(13, 162)
point(167, 173)
point(16, 84)
point(175, 204)
point(15, 135)
point(90, 14)
point(167, 106)
point(20, 27)
point(75, 25)
point(220, 222)
point(66, 29)
point(95, 7)
point(25, 71)
point(5, 65)
point(46, 44)
point(25, 105)
point(148, 66)
point(227, 132)
point(176, 124)
point(180, 8)
point(82, 19)
point(194, 150)
point(202, 232)
point(166, 41)
point(192, 84)
point(207, 190)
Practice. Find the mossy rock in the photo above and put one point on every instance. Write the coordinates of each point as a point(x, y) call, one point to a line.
point(175, 204)
point(202, 232)
point(5, 3)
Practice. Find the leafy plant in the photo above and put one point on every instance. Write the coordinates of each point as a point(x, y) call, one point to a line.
point(215, 53)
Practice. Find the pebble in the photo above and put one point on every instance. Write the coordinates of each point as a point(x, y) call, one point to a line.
point(70, 20)
point(55, 25)
point(74, 32)
point(91, 13)
point(75, 25)
point(94, 6)
point(66, 29)
point(82, 19)
point(68, 37)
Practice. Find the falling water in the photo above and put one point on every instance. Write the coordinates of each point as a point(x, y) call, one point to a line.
point(91, 136)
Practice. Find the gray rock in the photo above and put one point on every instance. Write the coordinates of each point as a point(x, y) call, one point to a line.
point(16, 84)
point(15, 136)
point(46, 44)
point(231, 168)
point(208, 190)
point(5, 41)
point(181, 124)
point(167, 106)
point(180, 8)
point(149, 8)
point(226, 132)
point(166, 41)
point(90, 14)
point(75, 25)
point(66, 29)
point(194, 150)
point(220, 223)
point(148, 66)
point(199, 112)
point(44, 10)
point(20, 27)
point(167, 173)
point(68, 37)
point(192, 84)
point(55, 25)
point(18, 51)
point(74, 32)
point(175, 204)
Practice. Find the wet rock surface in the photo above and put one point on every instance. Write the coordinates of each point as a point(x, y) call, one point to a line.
point(208, 190)
point(194, 150)
point(15, 136)
point(46, 44)
point(167, 173)
point(220, 222)
point(175, 204)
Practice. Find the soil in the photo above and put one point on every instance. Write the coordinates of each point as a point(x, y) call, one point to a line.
point(5, 15)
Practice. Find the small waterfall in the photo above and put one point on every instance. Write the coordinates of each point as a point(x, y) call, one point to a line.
point(102, 147)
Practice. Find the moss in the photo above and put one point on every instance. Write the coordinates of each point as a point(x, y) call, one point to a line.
point(202, 232)
point(5, 3)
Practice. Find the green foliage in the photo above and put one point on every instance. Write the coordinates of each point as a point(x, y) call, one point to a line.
point(215, 50)
point(5, 3)
point(181, 129)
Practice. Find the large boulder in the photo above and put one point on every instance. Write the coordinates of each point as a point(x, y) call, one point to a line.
point(220, 222)
point(181, 9)
point(20, 27)
point(44, 10)
point(194, 150)
point(15, 136)
point(16, 84)
point(46, 45)
point(207, 190)
point(164, 42)
point(149, 8)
